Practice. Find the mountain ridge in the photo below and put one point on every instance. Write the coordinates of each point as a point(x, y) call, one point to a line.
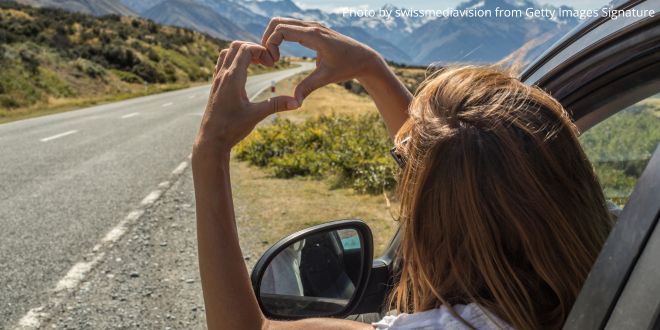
point(191, 14)
point(409, 40)
point(92, 7)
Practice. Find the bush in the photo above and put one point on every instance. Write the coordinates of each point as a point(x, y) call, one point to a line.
point(30, 60)
point(89, 68)
point(8, 102)
point(353, 87)
point(148, 73)
point(352, 151)
point(128, 77)
point(153, 55)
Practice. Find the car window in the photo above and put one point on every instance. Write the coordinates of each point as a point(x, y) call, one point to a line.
point(620, 147)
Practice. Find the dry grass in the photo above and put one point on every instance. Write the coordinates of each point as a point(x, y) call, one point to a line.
point(288, 205)
point(332, 98)
point(285, 206)
point(56, 105)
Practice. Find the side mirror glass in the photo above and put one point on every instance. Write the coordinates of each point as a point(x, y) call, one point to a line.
point(320, 271)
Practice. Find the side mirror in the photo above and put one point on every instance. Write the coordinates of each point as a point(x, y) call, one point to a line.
point(321, 271)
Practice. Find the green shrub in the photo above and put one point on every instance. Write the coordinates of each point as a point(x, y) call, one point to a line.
point(351, 151)
point(8, 102)
point(89, 68)
point(128, 77)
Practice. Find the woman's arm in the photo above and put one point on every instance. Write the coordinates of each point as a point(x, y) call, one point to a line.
point(392, 98)
point(341, 58)
point(229, 117)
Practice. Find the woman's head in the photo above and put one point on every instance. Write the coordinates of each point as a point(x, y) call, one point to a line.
point(499, 204)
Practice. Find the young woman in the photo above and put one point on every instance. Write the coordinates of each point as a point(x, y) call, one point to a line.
point(501, 213)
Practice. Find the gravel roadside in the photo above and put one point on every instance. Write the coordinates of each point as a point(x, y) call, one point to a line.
point(150, 278)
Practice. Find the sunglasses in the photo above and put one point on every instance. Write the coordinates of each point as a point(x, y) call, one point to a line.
point(398, 158)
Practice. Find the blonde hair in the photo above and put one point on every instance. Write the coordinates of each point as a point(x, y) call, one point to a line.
point(499, 204)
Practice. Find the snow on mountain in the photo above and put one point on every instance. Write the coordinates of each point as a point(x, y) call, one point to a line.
point(401, 38)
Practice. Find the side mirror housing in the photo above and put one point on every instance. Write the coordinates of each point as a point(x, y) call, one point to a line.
point(321, 271)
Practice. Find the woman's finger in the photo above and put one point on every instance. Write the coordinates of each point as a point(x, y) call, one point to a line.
point(246, 53)
point(272, 105)
point(277, 21)
point(309, 37)
point(218, 64)
point(233, 50)
point(312, 82)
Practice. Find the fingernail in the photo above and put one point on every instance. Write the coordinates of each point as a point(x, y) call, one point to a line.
point(292, 104)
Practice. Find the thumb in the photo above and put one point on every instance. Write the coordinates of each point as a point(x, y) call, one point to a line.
point(314, 81)
point(275, 104)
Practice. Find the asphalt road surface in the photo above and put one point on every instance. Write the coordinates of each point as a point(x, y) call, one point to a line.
point(67, 179)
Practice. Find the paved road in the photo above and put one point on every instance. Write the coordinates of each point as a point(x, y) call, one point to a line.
point(66, 179)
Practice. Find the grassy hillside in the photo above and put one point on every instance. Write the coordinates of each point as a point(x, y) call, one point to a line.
point(621, 146)
point(54, 59)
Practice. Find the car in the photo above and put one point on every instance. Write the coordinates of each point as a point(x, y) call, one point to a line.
point(606, 73)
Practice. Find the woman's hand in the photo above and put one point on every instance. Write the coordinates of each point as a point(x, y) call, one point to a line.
point(229, 115)
point(339, 57)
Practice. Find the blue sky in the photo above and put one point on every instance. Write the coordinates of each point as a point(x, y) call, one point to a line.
point(427, 4)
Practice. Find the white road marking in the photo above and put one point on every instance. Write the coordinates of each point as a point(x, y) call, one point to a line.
point(120, 229)
point(151, 198)
point(77, 273)
point(130, 115)
point(57, 136)
point(192, 96)
point(32, 319)
point(179, 169)
point(200, 114)
point(167, 104)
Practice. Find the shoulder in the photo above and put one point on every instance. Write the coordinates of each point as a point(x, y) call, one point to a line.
point(441, 318)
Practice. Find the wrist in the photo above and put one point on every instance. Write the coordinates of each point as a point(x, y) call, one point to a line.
point(375, 69)
point(208, 153)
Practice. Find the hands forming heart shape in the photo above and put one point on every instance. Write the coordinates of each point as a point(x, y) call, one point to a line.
point(230, 116)
point(338, 58)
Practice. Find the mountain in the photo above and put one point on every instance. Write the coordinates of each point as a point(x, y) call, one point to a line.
point(243, 16)
point(400, 38)
point(367, 31)
point(387, 49)
point(425, 40)
point(192, 14)
point(92, 7)
point(485, 39)
point(271, 8)
point(140, 6)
